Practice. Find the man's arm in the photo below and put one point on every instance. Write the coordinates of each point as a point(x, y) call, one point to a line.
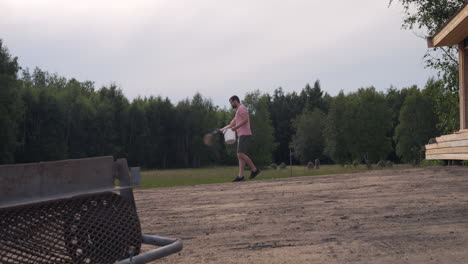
point(231, 125)
point(244, 119)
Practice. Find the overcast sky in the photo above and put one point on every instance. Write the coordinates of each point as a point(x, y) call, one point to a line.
point(176, 48)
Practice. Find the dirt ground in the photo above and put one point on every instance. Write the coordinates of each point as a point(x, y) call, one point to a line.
point(389, 216)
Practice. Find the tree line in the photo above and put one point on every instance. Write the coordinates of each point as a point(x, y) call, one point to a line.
point(47, 117)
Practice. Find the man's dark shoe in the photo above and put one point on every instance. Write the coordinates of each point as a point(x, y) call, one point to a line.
point(238, 179)
point(255, 173)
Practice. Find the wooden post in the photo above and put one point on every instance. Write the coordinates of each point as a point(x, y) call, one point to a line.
point(463, 69)
point(290, 161)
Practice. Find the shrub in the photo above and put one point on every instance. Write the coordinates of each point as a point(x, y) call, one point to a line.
point(283, 165)
point(310, 165)
point(274, 166)
point(389, 164)
point(381, 164)
point(355, 163)
point(426, 163)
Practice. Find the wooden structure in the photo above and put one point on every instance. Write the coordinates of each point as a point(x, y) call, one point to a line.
point(454, 32)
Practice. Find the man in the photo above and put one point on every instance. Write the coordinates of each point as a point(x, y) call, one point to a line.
point(241, 125)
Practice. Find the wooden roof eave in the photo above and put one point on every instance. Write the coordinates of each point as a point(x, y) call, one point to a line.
point(453, 32)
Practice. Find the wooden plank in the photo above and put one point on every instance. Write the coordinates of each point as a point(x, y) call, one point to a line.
point(459, 135)
point(447, 157)
point(454, 31)
point(463, 73)
point(448, 144)
point(453, 150)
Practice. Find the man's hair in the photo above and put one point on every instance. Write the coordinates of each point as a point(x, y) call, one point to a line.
point(234, 98)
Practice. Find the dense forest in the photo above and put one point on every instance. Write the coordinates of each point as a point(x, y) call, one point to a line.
point(45, 117)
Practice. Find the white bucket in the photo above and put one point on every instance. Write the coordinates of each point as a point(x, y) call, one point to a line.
point(229, 136)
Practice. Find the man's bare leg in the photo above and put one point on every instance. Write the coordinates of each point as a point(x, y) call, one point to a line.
point(246, 159)
point(241, 165)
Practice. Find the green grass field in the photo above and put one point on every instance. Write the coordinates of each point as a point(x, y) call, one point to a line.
point(181, 177)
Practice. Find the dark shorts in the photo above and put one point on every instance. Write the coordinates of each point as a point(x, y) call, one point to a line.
point(243, 144)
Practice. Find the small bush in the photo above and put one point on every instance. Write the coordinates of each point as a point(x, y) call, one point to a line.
point(310, 165)
point(274, 166)
point(355, 163)
point(389, 164)
point(381, 164)
point(426, 163)
point(317, 164)
point(283, 165)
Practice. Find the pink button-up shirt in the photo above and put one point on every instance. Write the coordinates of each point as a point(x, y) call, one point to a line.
point(243, 130)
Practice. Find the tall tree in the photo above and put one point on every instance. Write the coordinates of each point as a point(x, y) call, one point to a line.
point(263, 140)
point(336, 126)
point(368, 136)
point(283, 109)
point(312, 98)
point(203, 119)
point(138, 134)
point(308, 141)
point(79, 116)
point(10, 110)
point(430, 16)
point(395, 99)
point(44, 127)
point(44, 132)
point(195, 118)
point(417, 125)
point(358, 127)
point(108, 130)
point(160, 115)
point(446, 106)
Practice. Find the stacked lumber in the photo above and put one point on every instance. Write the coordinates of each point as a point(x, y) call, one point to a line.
point(449, 147)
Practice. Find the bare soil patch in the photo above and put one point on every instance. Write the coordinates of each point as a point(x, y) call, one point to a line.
point(389, 216)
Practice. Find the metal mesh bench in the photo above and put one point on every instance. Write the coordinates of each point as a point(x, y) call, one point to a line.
point(72, 212)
